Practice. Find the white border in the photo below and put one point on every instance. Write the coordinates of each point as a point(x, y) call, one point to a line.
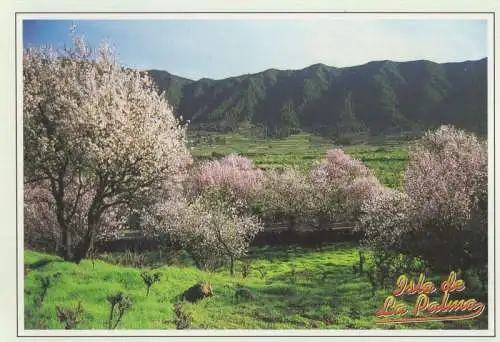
point(120, 16)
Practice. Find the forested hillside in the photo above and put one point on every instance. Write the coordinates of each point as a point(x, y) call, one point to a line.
point(377, 98)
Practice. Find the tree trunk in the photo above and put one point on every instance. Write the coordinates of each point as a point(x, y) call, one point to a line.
point(292, 226)
point(85, 245)
point(67, 252)
point(197, 262)
point(322, 221)
point(233, 266)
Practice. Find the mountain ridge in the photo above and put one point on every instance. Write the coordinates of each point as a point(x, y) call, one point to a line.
point(376, 97)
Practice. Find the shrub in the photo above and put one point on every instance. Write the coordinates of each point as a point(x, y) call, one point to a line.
point(182, 318)
point(122, 304)
point(293, 275)
point(359, 267)
point(345, 140)
point(70, 317)
point(246, 268)
point(262, 272)
point(45, 283)
point(126, 258)
point(149, 280)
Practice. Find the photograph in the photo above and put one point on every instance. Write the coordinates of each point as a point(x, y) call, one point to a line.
point(256, 172)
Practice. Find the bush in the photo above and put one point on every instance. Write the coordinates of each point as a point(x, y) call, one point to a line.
point(122, 304)
point(70, 317)
point(345, 140)
point(246, 268)
point(149, 280)
point(45, 283)
point(182, 318)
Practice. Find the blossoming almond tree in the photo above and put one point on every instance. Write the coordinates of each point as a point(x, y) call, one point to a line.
point(232, 178)
point(208, 229)
point(341, 185)
point(288, 195)
point(442, 214)
point(446, 179)
point(98, 136)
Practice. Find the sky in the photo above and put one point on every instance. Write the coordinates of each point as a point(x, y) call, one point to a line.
point(220, 48)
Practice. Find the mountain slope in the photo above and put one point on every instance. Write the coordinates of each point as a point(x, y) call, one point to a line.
point(377, 97)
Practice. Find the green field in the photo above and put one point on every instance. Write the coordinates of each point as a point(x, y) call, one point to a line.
point(387, 157)
point(292, 288)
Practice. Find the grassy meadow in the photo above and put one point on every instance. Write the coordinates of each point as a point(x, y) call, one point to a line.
point(291, 288)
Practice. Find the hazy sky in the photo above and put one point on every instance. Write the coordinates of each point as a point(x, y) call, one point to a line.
point(223, 48)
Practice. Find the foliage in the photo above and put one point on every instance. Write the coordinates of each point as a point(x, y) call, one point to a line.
point(386, 218)
point(246, 268)
point(209, 230)
point(149, 279)
point(70, 317)
point(121, 303)
point(388, 266)
point(341, 185)
point(446, 179)
point(287, 195)
point(141, 259)
point(232, 178)
point(442, 215)
point(182, 318)
point(40, 223)
point(98, 137)
point(45, 283)
point(359, 267)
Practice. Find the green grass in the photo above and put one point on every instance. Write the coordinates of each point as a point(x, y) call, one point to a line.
point(386, 157)
point(301, 288)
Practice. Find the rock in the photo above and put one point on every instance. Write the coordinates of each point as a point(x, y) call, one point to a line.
point(198, 291)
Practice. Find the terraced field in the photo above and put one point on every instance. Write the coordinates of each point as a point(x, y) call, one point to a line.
point(387, 157)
